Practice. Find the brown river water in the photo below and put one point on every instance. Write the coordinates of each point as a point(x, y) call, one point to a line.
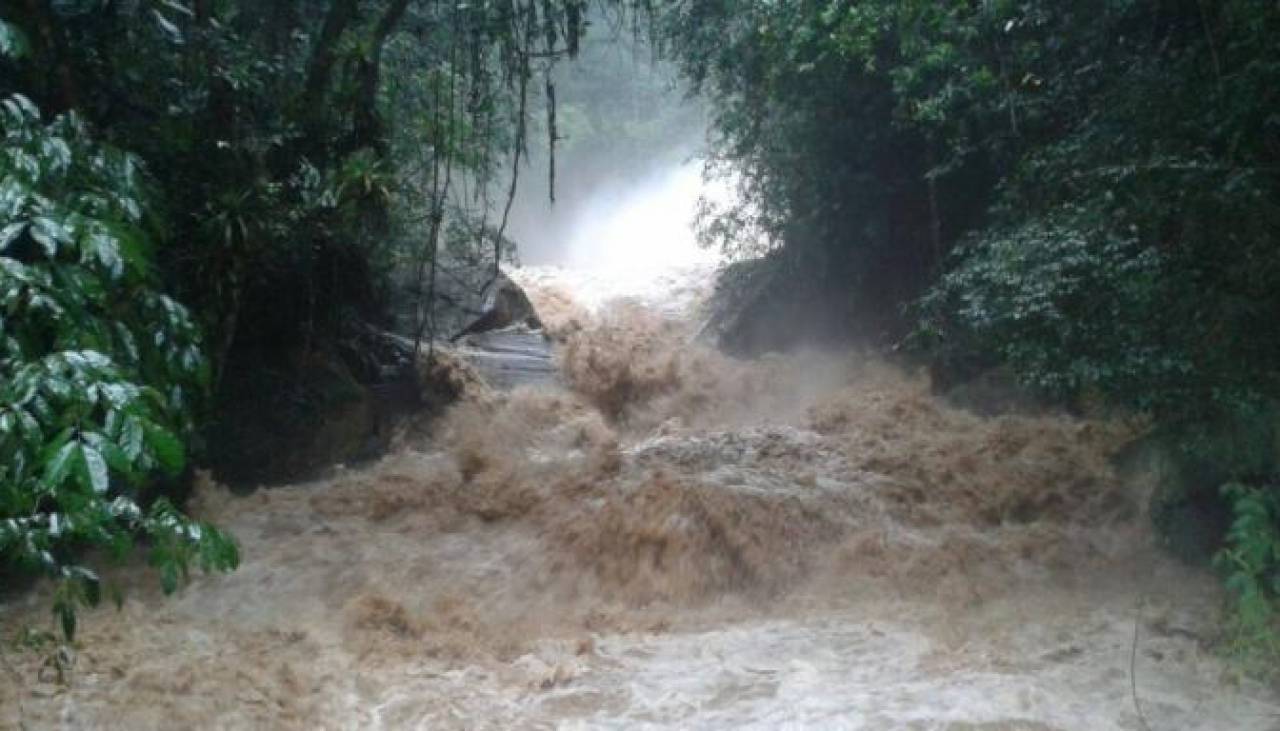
point(673, 539)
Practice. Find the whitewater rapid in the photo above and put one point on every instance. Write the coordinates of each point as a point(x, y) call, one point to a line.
point(672, 539)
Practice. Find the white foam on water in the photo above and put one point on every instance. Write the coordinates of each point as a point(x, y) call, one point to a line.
point(826, 552)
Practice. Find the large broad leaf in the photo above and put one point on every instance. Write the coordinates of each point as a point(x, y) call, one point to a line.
point(166, 447)
point(131, 437)
point(59, 465)
point(11, 232)
point(102, 247)
point(50, 233)
point(116, 458)
point(91, 470)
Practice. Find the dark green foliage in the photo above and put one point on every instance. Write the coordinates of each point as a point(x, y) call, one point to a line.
point(99, 371)
point(1133, 248)
point(1133, 253)
point(293, 141)
point(285, 178)
point(1251, 564)
point(1087, 192)
point(830, 172)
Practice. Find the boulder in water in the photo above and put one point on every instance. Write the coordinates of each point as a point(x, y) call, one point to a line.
point(506, 344)
point(505, 304)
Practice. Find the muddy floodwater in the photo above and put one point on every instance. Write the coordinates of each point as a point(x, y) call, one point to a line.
point(663, 537)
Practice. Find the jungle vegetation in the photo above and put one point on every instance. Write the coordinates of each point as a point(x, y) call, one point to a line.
point(196, 193)
point(203, 203)
point(1086, 194)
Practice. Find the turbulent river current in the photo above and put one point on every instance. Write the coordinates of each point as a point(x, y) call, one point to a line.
point(669, 538)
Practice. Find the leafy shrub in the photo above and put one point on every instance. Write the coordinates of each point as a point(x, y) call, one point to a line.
point(1130, 253)
point(1251, 562)
point(1069, 308)
point(100, 373)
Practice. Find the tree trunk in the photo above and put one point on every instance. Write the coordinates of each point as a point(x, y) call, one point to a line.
point(320, 68)
point(367, 130)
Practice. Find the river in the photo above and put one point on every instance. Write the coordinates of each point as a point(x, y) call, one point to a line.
point(664, 537)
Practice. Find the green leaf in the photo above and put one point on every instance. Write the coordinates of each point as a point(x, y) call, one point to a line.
point(90, 586)
point(13, 42)
point(132, 437)
point(85, 405)
point(166, 447)
point(66, 613)
point(93, 470)
point(57, 468)
point(103, 247)
point(169, 577)
point(168, 27)
point(111, 452)
point(49, 234)
point(11, 232)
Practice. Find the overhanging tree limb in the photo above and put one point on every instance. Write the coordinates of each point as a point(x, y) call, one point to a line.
point(323, 57)
point(368, 128)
